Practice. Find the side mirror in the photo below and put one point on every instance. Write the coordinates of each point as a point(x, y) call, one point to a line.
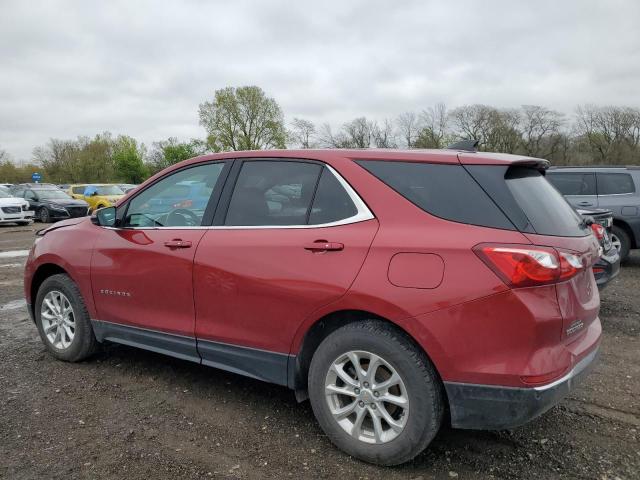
point(105, 217)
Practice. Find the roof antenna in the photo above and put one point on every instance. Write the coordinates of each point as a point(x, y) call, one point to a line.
point(466, 145)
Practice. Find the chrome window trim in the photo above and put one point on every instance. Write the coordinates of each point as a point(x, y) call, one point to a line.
point(616, 194)
point(363, 214)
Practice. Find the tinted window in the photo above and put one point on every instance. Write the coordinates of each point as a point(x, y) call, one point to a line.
point(51, 194)
point(78, 190)
point(446, 191)
point(331, 202)
point(613, 183)
point(273, 193)
point(573, 183)
point(178, 200)
point(545, 208)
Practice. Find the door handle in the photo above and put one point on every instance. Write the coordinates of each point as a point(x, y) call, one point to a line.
point(324, 246)
point(585, 203)
point(177, 243)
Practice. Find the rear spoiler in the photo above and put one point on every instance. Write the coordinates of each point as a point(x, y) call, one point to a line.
point(537, 163)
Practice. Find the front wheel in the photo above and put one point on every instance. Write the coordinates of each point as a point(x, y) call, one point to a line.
point(375, 393)
point(43, 215)
point(63, 321)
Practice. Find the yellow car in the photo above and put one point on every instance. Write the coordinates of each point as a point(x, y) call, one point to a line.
point(97, 195)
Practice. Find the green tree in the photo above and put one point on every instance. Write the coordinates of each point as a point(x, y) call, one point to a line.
point(243, 118)
point(171, 151)
point(128, 160)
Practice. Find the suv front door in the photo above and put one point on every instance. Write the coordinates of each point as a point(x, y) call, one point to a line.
point(141, 271)
point(290, 238)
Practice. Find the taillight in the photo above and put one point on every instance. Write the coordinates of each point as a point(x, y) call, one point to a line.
point(527, 266)
point(598, 230)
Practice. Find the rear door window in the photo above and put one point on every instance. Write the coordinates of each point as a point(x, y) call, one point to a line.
point(446, 191)
point(273, 193)
point(615, 183)
point(573, 183)
point(331, 202)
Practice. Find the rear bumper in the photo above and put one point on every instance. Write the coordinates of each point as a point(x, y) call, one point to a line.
point(490, 407)
point(607, 268)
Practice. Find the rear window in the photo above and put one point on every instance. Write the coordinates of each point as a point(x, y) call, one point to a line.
point(573, 183)
point(615, 183)
point(446, 191)
point(545, 208)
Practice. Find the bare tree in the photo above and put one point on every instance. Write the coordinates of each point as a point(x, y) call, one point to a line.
point(435, 127)
point(383, 136)
point(302, 133)
point(408, 127)
point(541, 130)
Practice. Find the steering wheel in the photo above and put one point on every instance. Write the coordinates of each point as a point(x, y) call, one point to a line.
point(181, 217)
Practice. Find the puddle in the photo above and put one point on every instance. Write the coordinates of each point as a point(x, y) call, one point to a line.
point(13, 305)
point(14, 253)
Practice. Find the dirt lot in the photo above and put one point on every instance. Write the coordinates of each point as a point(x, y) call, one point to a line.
point(134, 414)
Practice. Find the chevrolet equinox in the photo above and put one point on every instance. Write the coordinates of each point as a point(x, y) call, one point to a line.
point(394, 289)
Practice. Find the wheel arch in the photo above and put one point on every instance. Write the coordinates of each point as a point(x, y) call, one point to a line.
point(627, 228)
point(324, 326)
point(43, 272)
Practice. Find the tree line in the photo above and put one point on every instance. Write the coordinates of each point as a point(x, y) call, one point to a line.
point(245, 118)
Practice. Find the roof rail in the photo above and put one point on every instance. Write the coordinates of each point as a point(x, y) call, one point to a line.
point(628, 167)
point(469, 145)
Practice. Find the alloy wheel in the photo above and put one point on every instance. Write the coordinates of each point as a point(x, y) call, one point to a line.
point(58, 319)
point(367, 397)
point(615, 241)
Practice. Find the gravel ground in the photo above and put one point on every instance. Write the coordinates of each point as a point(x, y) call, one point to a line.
point(135, 414)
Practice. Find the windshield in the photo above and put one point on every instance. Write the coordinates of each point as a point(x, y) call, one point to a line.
point(109, 190)
point(4, 193)
point(51, 194)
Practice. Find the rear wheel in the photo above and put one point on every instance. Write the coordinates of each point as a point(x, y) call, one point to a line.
point(63, 321)
point(43, 215)
point(375, 394)
point(620, 239)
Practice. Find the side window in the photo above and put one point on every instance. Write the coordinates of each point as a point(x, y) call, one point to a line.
point(78, 190)
point(615, 183)
point(273, 193)
point(331, 202)
point(573, 183)
point(178, 200)
point(29, 195)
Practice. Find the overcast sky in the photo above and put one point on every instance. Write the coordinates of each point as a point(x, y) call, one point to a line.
point(141, 68)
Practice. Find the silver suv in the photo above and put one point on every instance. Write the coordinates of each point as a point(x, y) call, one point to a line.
point(614, 188)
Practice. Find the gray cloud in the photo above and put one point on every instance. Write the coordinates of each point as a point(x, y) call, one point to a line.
point(141, 68)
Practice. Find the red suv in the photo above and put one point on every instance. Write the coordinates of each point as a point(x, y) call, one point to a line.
point(395, 289)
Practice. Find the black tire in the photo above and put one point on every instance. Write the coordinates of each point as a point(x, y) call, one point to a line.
point(625, 241)
point(43, 215)
point(84, 343)
point(424, 390)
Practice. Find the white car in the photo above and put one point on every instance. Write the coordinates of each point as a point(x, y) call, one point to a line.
point(13, 209)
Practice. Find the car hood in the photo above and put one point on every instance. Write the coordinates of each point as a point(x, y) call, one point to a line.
point(12, 202)
point(61, 224)
point(65, 202)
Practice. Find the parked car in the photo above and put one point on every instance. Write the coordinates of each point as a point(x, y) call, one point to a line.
point(614, 188)
point(14, 210)
point(386, 286)
point(50, 203)
point(608, 266)
point(6, 185)
point(126, 187)
point(96, 195)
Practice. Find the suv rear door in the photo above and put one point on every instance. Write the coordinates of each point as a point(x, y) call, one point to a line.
point(289, 237)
